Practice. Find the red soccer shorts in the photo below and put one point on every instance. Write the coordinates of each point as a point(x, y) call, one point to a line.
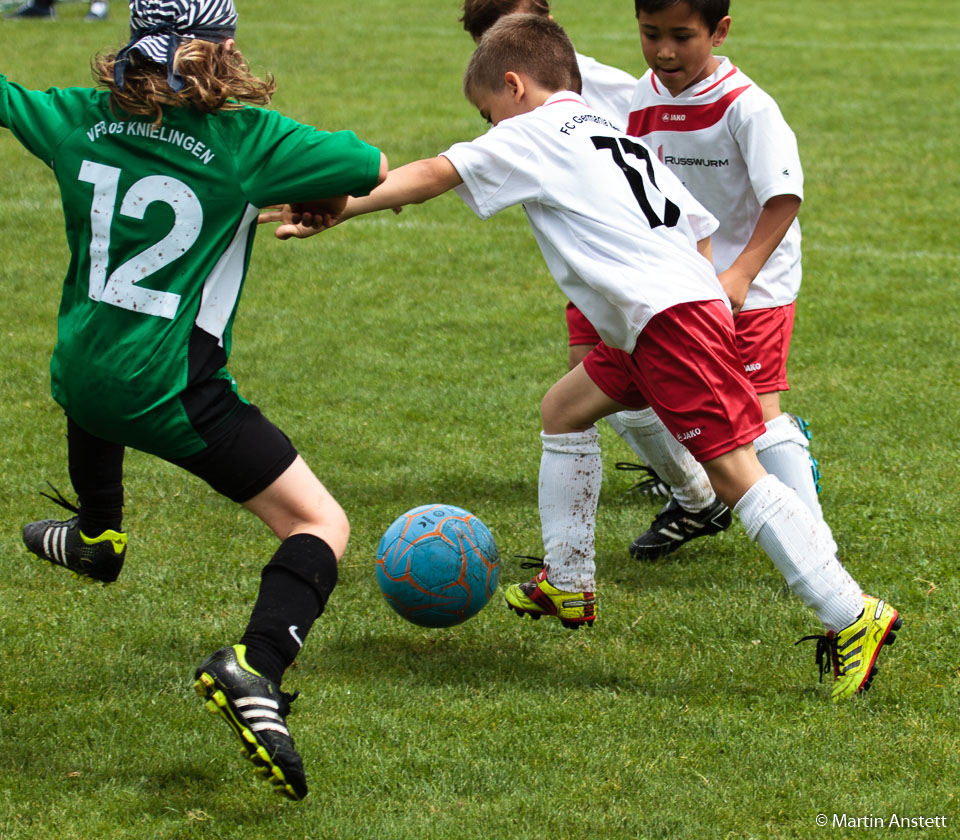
point(580, 329)
point(763, 341)
point(686, 366)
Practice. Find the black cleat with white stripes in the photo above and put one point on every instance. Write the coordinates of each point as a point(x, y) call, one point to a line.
point(674, 526)
point(63, 544)
point(256, 709)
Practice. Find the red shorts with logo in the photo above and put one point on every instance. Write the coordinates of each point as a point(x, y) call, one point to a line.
point(686, 366)
point(580, 329)
point(763, 341)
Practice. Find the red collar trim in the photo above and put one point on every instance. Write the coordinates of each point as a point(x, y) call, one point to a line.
point(718, 82)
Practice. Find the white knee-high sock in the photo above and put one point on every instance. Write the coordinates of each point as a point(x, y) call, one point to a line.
point(646, 435)
point(787, 531)
point(784, 451)
point(616, 424)
point(570, 476)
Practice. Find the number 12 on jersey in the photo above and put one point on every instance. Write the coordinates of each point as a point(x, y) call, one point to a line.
point(671, 212)
point(121, 287)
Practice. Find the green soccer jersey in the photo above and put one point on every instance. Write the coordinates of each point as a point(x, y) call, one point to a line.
point(160, 222)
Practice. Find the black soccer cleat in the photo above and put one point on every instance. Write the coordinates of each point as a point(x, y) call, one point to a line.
point(63, 544)
point(674, 526)
point(32, 10)
point(649, 484)
point(256, 709)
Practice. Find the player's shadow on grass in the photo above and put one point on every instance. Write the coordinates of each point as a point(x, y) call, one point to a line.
point(449, 662)
point(444, 664)
point(573, 665)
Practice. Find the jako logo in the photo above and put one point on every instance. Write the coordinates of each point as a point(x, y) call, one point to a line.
point(753, 367)
point(688, 435)
point(674, 117)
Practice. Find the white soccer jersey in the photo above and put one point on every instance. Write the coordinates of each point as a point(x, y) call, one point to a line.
point(726, 139)
point(607, 89)
point(617, 228)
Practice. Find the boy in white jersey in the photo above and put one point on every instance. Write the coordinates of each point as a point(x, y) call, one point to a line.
point(608, 90)
point(727, 141)
point(619, 234)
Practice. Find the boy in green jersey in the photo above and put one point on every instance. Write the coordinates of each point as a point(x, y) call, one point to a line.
point(162, 172)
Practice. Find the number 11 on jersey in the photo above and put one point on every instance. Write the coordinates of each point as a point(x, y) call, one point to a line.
point(671, 212)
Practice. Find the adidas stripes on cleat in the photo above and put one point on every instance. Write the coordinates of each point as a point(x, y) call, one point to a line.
point(97, 558)
point(854, 650)
point(674, 526)
point(255, 708)
point(649, 484)
point(539, 597)
point(32, 10)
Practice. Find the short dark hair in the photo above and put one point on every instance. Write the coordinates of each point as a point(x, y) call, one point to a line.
point(479, 15)
point(712, 11)
point(521, 43)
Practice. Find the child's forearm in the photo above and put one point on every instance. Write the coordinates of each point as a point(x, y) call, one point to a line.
point(772, 225)
point(705, 247)
point(775, 220)
point(412, 183)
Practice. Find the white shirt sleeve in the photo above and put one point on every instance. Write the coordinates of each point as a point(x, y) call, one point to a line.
point(499, 169)
point(769, 149)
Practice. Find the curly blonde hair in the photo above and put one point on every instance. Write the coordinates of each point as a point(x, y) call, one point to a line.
point(215, 78)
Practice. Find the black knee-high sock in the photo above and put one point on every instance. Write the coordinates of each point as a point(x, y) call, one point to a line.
point(96, 472)
point(294, 588)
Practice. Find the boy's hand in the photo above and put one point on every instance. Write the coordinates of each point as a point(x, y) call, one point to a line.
point(410, 184)
point(736, 284)
point(775, 219)
point(305, 219)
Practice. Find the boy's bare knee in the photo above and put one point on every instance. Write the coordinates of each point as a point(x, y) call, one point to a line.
point(734, 473)
point(552, 415)
point(329, 522)
point(339, 527)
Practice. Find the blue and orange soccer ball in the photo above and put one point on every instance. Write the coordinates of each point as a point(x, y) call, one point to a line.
point(437, 565)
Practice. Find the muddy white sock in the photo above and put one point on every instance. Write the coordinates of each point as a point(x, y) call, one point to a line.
point(646, 435)
point(570, 476)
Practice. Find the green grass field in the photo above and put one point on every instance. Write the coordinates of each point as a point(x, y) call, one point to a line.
point(406, 358)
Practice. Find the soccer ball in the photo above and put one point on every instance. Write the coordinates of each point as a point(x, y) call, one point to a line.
point(437, 565)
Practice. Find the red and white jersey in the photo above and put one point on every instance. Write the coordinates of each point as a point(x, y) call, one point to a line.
point(616, 227)
point(727, 141)
point(607, 89)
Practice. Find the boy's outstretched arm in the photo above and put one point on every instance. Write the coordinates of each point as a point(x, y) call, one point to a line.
point(303, 219)
point(412, 183)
